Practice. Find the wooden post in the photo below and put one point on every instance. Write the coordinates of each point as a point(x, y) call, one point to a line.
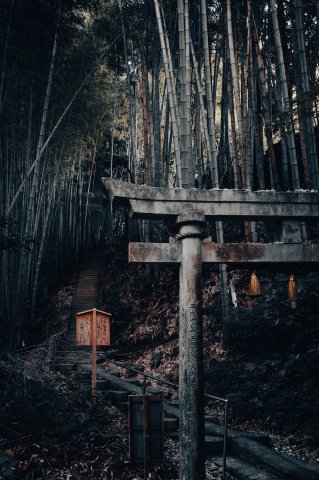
point(191, 391)
point(93, 328)
point(146, 429)
point(94, 358)
point(146, 439)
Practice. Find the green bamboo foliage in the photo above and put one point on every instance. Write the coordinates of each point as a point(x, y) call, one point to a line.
point(305, 100)
point(146, 124)
point(54, 223)
point(170, 88)
point(34, 201)
point(202, 110)
point(236, 92)
point(184, 89)
point(191, 170)
point(157, 114)
point(5, 52)
point(209, 97)
point(288, 126)
point(214, 108)
point(250, 127)
point(265, 108)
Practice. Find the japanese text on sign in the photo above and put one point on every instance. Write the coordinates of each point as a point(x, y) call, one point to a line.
point(84, 328)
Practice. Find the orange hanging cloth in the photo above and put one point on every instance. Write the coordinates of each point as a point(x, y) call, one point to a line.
point(254, 285)
point(292, 292)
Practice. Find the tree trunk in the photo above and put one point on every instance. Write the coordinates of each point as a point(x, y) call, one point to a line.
point(288, 126)
point(306, 101)
point(202, 108)
point(170, 87)
point(265, 109)
point(236, 90)
point(4, 58)
point(209, 98)
point(184, 87)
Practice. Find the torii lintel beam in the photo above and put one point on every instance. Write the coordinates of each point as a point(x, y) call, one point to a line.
point(230, 253)
point(218, 204)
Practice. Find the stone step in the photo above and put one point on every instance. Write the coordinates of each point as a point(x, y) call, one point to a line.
point(66, 367)
point(123, 407)
point(71, 346)
point(211, 418)
point(86, 299)
point(170, 424)
point(84, 361)
point(114, 373)
point(83, 377)
point(72, 354)
point(87, 280)
point(103, 385)
point(132, 381)
point(243, 470)
point(213, 444)
point(78, 309)
point(115, 396)
point(74, 357)
point(173, 435)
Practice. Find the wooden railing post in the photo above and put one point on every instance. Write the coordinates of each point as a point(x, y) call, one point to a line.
point(94, 358)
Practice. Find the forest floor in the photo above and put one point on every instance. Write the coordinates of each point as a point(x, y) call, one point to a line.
point(269, 369)
point(270, 366)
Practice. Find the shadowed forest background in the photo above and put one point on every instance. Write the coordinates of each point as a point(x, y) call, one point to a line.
point(202, 94)
point(101, 88)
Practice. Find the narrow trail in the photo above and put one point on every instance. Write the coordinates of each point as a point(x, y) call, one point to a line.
point(87, 291)
point(249, 454)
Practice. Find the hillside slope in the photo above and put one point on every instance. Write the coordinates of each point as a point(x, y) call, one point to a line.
point(270, 367)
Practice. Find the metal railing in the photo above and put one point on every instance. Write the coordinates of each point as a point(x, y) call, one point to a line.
point(145, 375)
point(174, 385)
point(55, 340)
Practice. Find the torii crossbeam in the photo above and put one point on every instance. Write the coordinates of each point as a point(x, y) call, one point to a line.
point(191, 209)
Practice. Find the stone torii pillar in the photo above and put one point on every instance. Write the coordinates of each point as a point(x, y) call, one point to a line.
point(191, 374)
point(190, 209)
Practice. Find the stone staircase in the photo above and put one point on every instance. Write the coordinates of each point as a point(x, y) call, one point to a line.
point(115, 391)
point(86, 297)
point(249, 456)
point(87, 292)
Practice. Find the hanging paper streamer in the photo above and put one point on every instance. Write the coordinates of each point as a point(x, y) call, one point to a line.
point(292, 292)
point(254, 285)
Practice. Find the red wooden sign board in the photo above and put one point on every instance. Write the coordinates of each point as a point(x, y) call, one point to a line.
point(85, 327)
point(93, 328)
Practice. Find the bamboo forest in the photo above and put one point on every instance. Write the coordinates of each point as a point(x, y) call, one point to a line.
point(159, 242)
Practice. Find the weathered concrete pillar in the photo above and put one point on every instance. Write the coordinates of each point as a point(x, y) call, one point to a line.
point(191, 390)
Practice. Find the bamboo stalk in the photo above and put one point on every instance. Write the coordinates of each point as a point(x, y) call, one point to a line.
point(209, 97)
point(173, 112)
point(236, 89)
point(285, 98)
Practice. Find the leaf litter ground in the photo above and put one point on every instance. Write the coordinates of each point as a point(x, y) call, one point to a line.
point(269, 369)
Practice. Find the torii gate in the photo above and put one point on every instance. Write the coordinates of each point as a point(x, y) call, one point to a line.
point(190, 209)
